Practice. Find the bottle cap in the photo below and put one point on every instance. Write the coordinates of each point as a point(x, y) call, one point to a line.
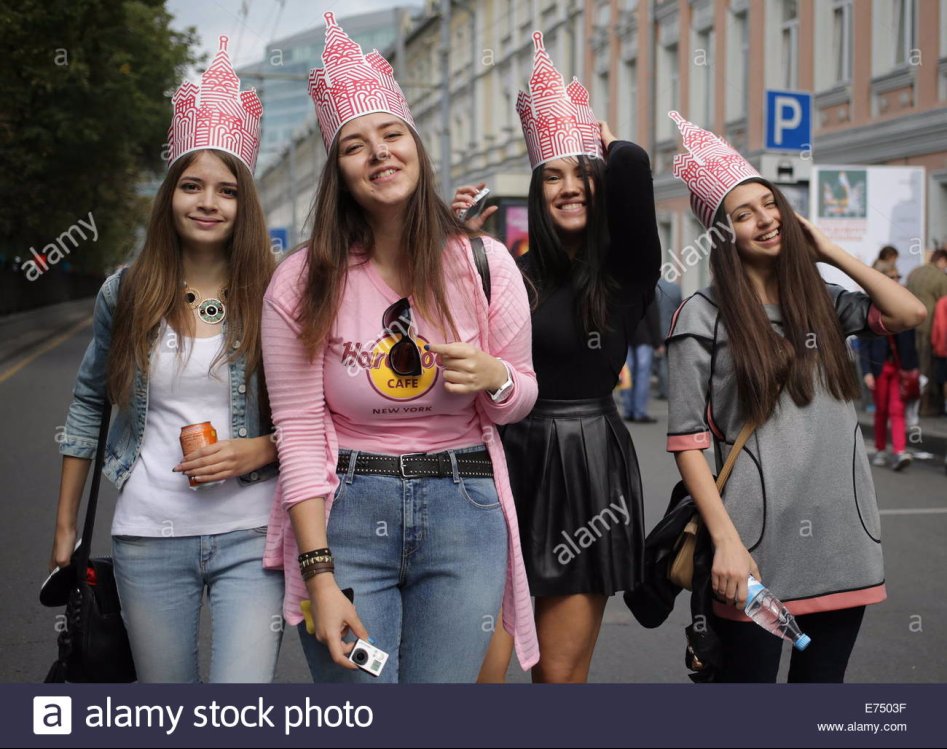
point(803, 642)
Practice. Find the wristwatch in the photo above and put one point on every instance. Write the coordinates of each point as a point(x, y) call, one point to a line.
point(503, 392)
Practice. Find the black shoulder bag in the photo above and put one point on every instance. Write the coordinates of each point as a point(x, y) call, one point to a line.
point(93, 644)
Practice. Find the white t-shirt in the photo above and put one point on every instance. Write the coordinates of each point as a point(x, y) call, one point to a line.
point(158, 502)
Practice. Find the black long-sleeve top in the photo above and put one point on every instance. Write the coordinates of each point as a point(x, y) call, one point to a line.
point(569, 362)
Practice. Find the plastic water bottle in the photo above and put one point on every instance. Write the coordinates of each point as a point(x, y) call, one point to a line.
point(769, 612)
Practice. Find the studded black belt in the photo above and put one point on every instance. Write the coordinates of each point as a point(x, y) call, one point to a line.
point(418, 465)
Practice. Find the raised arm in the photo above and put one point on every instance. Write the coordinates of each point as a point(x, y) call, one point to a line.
point(899, 309)
point(635, 251)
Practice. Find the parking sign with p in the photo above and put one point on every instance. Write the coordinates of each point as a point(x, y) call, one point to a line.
point(788, 121)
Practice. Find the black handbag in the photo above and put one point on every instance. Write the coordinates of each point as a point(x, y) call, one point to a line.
point(670, 548)
point(93, 644)
point(679, 554)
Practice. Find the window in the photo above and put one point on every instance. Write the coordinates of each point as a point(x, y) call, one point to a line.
point(628, 100)
point(674, 76)
point(842, 40)
point(601, 91)
point(603, 15)
point(790, 43)
point(702, 95)
point(738, 51)
point(667, 90)
point(905, 24)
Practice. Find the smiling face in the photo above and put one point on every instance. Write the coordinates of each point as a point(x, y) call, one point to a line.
point(564, 195)
point(378, 161)
point(757, 223)
point(205, 202)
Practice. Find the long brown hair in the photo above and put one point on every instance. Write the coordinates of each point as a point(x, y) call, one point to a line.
point(813, 345)
point(339, 224)
point(152, 288)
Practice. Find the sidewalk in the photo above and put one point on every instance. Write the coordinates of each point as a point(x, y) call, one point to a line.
point(22, 333)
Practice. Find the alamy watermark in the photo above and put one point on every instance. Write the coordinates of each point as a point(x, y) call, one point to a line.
point(699, 249)
point(57, 249)
point(592, 531)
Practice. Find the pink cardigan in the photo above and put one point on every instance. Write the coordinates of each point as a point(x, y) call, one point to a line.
point(307, 440)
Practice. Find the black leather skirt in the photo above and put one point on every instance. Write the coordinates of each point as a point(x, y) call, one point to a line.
point(577, 488)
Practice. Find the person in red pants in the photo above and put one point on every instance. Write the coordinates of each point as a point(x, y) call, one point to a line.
point(883, 359)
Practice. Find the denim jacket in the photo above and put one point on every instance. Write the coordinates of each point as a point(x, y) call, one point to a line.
point(123, 445)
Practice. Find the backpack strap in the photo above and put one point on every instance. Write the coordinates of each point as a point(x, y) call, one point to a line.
point(483, 267)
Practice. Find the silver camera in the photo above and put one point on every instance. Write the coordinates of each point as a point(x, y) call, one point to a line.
point(368, 658)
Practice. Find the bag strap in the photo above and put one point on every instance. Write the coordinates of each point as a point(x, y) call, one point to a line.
point(483, 267)
point(742, 438)
point(81, 556)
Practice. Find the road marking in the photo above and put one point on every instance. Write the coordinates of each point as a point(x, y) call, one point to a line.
point(48, 346)
point(917, 511)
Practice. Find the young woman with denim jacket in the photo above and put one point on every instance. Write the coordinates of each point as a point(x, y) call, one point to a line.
point(166, 363)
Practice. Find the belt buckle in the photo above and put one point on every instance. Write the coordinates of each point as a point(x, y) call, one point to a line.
point(401, 467)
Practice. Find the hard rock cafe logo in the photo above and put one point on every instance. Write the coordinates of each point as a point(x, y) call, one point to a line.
point(374, 360)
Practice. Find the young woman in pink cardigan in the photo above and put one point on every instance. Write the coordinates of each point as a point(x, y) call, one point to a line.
point(387, 369)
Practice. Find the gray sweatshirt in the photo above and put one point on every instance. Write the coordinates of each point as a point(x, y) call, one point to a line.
point(801, 494)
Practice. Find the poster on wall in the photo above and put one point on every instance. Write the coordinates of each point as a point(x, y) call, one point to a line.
point(516, 235)
point(863, 208)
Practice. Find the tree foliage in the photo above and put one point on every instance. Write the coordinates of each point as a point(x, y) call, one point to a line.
point(85, 110)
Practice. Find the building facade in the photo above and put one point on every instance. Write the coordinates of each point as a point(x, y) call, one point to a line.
point(288, 163)
point(877, 70)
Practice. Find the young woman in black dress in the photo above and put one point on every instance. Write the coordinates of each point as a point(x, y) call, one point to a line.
point(592, 266)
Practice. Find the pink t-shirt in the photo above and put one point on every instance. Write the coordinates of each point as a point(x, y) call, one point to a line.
point(373, 408)
point(340, 398)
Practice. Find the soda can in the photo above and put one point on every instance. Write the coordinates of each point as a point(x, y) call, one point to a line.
point(194, 437)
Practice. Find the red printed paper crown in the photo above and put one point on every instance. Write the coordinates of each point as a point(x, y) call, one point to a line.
point(710, 169)
point(557, 119)
point(352, 84)
point(217, 114)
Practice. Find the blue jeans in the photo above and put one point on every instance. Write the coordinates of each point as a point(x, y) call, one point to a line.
point(161, 582)
point(635, 399)
point(426, 559)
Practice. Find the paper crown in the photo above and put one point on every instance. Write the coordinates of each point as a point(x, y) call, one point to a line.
point(710, 169)
point(352, 84)
point(217, 114)
point(557, 119)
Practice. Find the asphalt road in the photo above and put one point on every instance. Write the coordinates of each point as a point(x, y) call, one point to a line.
point(902, 640)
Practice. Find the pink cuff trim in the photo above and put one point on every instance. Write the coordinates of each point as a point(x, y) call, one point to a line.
point(832, 602)
point(712, 424)
point(681, 442)
point(875, 322)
